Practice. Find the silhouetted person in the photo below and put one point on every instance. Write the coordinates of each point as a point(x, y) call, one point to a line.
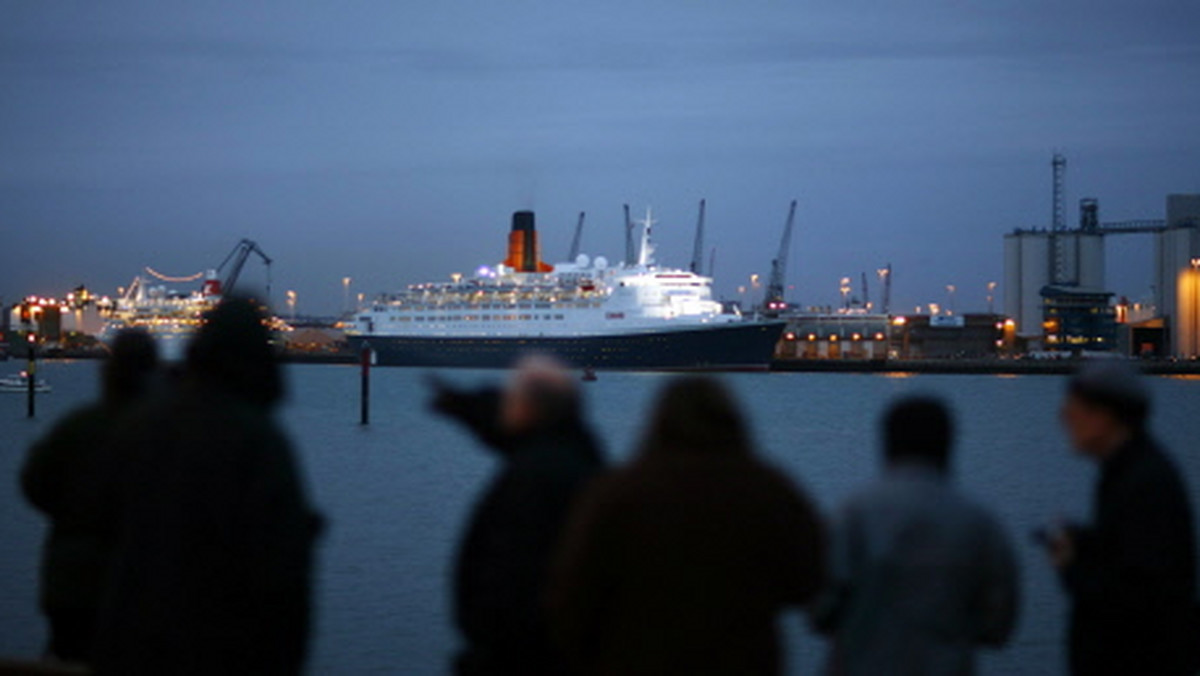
point(68, 476)
point(682, 561)
point(214, 564)
point(921, 576)
point(1130, 575)
point(535, 426)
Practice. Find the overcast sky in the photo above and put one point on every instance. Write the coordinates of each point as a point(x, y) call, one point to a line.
point(390, 141)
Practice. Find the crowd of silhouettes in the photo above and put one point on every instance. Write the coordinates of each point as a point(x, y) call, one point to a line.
point(181, 535)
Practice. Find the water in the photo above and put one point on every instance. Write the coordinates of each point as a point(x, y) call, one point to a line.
point(397, 493)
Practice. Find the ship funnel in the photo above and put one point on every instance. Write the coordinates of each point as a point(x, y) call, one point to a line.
point(524, 251)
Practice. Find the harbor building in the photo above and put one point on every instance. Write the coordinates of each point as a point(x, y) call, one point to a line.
point(1078, 320)
point(873, 337)
point(1057, 297)
point(1029, 269)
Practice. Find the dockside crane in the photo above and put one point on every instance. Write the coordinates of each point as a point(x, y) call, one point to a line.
point(577, 240)
point(698, 248)
point(630, 249)
point(237, 260)
point(773, 300)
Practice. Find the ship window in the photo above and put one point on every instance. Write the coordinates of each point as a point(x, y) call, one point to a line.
point(526, 317)
point(558, 316)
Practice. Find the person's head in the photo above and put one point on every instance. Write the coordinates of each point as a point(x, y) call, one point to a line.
point(232, 353)
point(540, 395)
point(132, 361)
point(1106, 404)
point(918, 430)
point(696, 415)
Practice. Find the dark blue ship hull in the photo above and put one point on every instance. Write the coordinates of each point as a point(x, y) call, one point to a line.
point(735, 346)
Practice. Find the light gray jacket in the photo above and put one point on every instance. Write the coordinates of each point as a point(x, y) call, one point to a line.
point(920, 577)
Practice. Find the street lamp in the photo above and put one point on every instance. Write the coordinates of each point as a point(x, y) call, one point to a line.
point(950, 289)
point(991, 287)
point(291, 301)
point(844, 287)
point(345, 294)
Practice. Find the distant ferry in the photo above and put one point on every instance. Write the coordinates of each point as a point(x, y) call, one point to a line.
point(586, 312)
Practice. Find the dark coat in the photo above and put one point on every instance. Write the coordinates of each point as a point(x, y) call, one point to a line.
point(214, 561)
point(1133, 583)
point(681, 564)
point(68, 476)
point(502, 566)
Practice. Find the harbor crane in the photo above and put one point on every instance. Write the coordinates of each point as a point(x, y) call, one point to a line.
point(697, 266)
point(238, 257)
point(631, 255)
point(577, 240)
point(774, 301)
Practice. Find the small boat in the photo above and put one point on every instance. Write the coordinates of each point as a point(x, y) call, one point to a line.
point(589, 375)
point(20, 383)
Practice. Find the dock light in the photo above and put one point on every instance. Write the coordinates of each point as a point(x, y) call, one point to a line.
point(789, 336)
point(856, 336)
point(899, 321)
point(812, 337)
point(833, 338)
point(878, 336)
point(1196, 263)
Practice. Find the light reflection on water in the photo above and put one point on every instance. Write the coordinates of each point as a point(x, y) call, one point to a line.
point(398, 491)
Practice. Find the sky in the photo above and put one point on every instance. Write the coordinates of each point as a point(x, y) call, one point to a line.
point(390, 141)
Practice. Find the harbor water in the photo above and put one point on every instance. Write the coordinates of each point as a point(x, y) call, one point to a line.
point(396, 493)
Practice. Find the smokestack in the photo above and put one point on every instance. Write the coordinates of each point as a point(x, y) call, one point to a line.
point(524, 253)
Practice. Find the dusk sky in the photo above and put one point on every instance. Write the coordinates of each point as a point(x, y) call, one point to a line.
point(390, 141)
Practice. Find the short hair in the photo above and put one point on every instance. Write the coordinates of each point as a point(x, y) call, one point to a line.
point(919, 429)
point(132, 360)
point(546, 384)
point(696, 415)
point(1116, 387)
point(232, 352)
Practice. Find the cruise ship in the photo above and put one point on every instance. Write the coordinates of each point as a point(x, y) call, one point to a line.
point(173, 316)
point(588, 313)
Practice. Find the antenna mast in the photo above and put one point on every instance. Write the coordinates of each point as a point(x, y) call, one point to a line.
point(1058, 223)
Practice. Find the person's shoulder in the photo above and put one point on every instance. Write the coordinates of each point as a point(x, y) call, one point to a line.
point(1150, 465)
